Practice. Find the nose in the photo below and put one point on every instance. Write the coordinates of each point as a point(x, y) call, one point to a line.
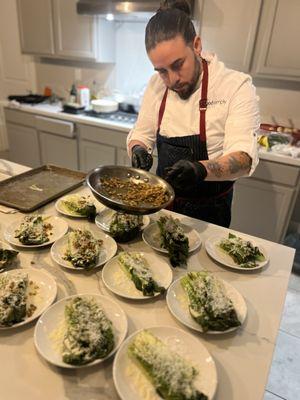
point(173, 78)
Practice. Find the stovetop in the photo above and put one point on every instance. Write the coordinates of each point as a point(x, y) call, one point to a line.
point(117, 116)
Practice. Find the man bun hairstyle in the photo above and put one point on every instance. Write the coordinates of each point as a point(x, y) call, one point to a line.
point(173, 18)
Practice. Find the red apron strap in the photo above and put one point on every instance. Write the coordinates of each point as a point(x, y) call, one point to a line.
point(203, 102)
point(162, 109)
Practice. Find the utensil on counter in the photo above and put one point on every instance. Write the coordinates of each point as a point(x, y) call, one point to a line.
point(95, 178)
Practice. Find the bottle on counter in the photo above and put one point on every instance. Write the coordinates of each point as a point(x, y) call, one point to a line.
point(84, 96)
point(73, 94)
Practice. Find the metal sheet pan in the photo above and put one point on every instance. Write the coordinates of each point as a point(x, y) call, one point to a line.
point(37, 187)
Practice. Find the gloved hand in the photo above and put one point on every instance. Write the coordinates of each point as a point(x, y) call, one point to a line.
point(141, 158)
point(185, 174)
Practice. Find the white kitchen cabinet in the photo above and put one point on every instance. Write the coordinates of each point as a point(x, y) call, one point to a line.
point(35, 26)
point(123, 158)
point(94, 154)
point(263, 204)
point(58, 142)
point(228, 27)
point(276, 53)
point(58, 150)
point(99, 146)
point(52, 28)
point(23, 144)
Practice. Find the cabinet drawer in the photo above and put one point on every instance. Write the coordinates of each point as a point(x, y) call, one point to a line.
point(277, 173)
point(56, 126)
point(103, 135)
point(19, 117)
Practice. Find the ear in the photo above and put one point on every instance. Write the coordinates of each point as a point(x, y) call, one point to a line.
point(197, 46)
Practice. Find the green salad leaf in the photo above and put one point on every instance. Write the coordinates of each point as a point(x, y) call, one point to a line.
point(209, 305)
point(174, 240)
point(243, 253)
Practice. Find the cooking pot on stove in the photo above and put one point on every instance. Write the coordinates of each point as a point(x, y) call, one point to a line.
point(104, 105)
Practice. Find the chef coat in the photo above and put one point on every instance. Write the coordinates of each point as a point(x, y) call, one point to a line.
point(232, 115)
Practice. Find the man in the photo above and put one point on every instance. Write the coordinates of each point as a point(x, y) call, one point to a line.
point(202, 117)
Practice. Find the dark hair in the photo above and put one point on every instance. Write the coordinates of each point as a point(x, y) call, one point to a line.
point(170, 20)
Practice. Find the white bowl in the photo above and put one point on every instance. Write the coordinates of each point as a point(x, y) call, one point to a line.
point(105, 105)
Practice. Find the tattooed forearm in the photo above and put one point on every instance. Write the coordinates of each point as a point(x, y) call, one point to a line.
point(227, 167)
point(239, 162)
point(215, 168)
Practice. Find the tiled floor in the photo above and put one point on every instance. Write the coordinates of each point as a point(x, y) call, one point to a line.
point(284, 379)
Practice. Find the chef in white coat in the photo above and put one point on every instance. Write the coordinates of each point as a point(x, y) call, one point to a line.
point(202, 117)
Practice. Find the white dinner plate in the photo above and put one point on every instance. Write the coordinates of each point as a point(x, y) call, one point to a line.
point(59, 228)
point(104, 218)
point(132, 384)
point(107, 250)
point(213, 249)
point(116, 280)
point(62, 209)
point(178, 304)
point(41, 292)
point(151, 236)
point(49, 330)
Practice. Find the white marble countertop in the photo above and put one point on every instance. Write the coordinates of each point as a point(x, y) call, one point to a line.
point(242, 358)
point(54, 110)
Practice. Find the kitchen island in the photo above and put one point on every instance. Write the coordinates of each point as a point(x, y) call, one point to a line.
point(242, 357)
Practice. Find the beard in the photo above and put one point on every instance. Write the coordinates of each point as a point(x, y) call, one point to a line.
point(185, 90)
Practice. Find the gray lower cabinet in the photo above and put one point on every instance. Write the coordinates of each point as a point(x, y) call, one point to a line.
point(23, 144)
point(263, 204)
point(94, 154)
point(58, 150)
point(123, 158)
point(101, 146)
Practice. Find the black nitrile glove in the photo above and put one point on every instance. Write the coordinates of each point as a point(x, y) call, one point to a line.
point(185, 174)
point(141, 158)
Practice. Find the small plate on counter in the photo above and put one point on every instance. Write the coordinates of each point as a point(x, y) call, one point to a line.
point(131, 381)
point(57, 228)
point(61, 205)
point(178, 304)
point(117, 280)
point(107, 250)
point(50, 330)
point(105, 216)
point(213, 248)
point(151, 236)
point(40, 293)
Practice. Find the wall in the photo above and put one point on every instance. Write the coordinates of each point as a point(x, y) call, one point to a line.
point(17, 72)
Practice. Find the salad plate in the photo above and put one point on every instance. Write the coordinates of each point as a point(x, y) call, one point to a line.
point(41, 292)
point(118, 281)
point(86, 208)
point(50, 329)
point(105, 216)
point(151, 236)
point(212, 246)
point(108, 249)
point(178, 304)
point(7, 256)
point(131, 382)
point(58, 228)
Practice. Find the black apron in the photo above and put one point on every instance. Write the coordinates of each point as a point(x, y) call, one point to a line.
point(209, 201)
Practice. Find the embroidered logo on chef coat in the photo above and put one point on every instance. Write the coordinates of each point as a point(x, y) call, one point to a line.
point(216, 102)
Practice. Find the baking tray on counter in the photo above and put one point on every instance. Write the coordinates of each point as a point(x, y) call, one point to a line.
point(34, 188)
